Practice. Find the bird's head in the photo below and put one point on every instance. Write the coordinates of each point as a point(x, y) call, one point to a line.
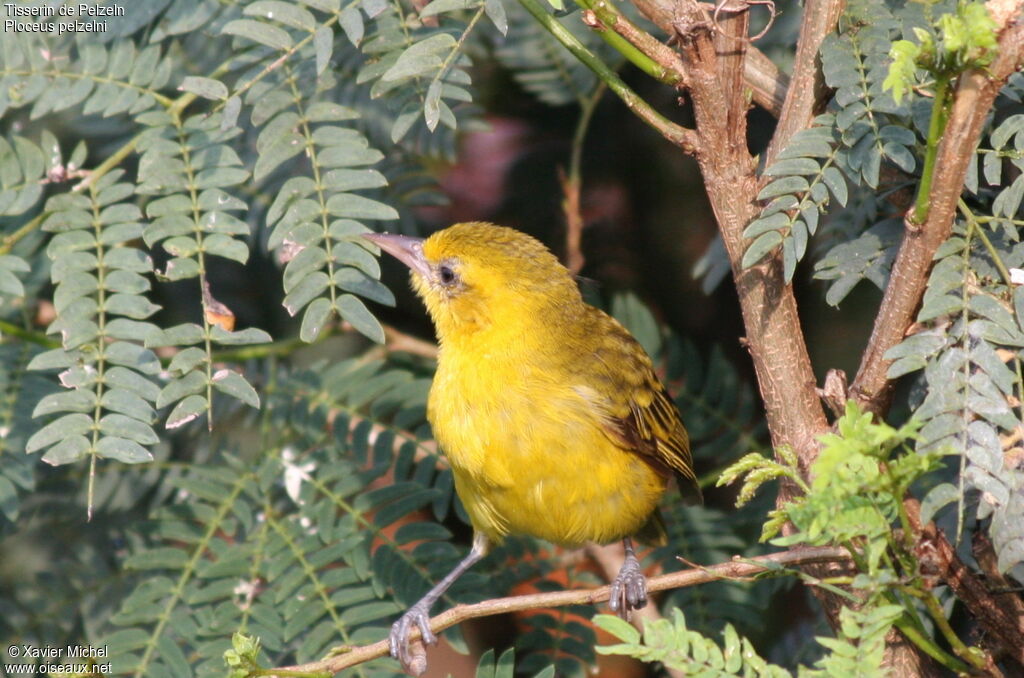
point(475, 275)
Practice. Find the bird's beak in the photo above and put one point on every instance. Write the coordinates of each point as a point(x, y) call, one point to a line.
point(406, 249)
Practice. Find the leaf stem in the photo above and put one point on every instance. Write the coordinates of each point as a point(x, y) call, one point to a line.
point(28, 335)
point(936, 613)
point(936, 126)
point(677, 134)
point(965, 421)
point(101, 357)
point(997, 261)
point(605, 19)
point(908, 625)
point(9, 241)
point(457, 47)
point(112, 161)
point(928, 646)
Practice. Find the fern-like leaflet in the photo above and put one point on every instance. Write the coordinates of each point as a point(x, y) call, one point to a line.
point(804, 177)
point(188, 164)
point(868, 120)
point(968, 351)
point(106, 410)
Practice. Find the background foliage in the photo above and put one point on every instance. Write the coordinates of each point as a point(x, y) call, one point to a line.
point(168, 479)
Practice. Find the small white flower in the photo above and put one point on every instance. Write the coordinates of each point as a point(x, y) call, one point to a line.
point(1017, 276)
point(294, 474)
point(246, 590)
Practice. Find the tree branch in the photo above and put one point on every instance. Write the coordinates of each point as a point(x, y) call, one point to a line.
point(1000, 620)
point(603, 15)
point(774, 335)
point(972, 102)
point(347, 657)
point(1003, 599)
point(806, 91)
point(767, 84)
point(676, 134)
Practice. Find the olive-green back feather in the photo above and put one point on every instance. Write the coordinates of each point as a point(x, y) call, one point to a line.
point(636, 410)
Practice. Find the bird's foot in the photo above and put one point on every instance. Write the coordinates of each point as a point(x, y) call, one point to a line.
point(411, 655)
point(629, 588)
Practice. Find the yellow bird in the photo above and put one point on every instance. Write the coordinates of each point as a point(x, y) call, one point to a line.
point(550, 412)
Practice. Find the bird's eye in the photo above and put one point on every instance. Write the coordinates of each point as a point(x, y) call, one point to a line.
point(446, 274)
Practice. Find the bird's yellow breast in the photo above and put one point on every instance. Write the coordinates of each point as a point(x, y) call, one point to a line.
point(530, 456)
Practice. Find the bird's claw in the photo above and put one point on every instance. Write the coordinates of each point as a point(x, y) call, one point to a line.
point(629, 589)
point(414, 663)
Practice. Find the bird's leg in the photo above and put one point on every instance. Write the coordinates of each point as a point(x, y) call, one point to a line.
point(419, 614)
point(629, 588)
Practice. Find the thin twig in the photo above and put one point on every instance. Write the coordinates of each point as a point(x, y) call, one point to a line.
point(736, 568)
point(396, 340)
point(620, 44)
point(607, 16)
point(8, 242)
point(676, 134)
point(573, 181)
point(37, 338)
point(724, 6)
point(573, 221)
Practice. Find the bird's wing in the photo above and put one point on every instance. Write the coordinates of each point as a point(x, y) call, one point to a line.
point(635, 410)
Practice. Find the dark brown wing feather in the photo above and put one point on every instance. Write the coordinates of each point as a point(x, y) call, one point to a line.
point(636, 410)
point(656, 432)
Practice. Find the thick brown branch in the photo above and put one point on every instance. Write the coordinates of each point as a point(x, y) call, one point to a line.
point(730, 39)
point(736, 568)
point(973, 100)
point(767, 84)
point(774, 335)
point(807, 89)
